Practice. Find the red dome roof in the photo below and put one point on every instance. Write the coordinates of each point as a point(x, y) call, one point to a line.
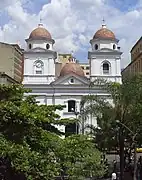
point(71, 67)
point(104, 33)
point(40, 32)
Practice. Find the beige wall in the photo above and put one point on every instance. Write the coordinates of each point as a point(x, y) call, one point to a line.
point(63, 58)
point(136, 50)
point(11, 61)
point(6, 59)
point(86, 69)
point(58, 67)
point(135, 66)
point(18, 64)
point(5, 79)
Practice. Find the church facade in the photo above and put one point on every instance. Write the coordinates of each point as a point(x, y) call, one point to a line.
point(68, 88)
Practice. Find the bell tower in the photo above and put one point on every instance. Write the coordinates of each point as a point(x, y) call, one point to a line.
point(39, 57)
point(105, 56)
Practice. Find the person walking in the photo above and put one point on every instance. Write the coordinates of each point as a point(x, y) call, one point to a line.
point(113, 176)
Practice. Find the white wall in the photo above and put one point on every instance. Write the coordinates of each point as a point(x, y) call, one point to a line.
point(103, 44)
point(39, 44)
point(48, 73)
point(47, 59)
point(62, 98)
point(97, 62)
point(111, 56)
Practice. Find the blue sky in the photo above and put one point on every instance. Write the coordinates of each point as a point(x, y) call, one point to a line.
point(35, 6)
point(72, 23)
point(123, 5)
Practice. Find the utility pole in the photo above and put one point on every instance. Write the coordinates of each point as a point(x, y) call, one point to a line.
point(122, 150)
point(135, 155)
point(121, 153)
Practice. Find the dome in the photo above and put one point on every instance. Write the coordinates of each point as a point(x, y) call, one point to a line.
point(71, 67)
point(39, 33)
point(104, 33)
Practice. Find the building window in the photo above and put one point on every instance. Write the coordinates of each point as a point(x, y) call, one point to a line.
point(114, 46)
point(87, 68)
point(82, 67)
point(71, 106)
point(96, 46)
point(71, 129)
point(38, 67)
point(87, 73)
point(72, 80)
point(47, 46)
point(106, 68)
point(30, 46)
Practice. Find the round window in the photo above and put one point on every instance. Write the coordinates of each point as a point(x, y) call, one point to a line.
point(47, 46)
point(96, 46)
point(30, 46)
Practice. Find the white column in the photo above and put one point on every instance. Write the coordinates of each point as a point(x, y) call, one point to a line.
point(118, 66)
point(93, 62)
point(51, 66)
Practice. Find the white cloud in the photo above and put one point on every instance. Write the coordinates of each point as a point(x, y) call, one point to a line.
point(6, 3)
point(72, 23)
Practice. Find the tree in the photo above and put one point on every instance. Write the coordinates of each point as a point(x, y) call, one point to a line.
point(27, 134)
point(79, 158)
point(126, 106)
point(30, 144)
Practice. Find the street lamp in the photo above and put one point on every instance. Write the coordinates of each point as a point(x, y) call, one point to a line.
point(74, 110)
point(134, 144)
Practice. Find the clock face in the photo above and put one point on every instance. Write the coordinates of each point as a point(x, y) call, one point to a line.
point(38, 64)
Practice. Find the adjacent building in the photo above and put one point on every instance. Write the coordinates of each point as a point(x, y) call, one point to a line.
point(86, 69)
point(71, 83)
point(61, 60)
point(135, 65)
point(11, 63)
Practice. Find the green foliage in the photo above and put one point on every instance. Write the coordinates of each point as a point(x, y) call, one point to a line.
point(80, 157)
point(32, 143)
point(126, 106)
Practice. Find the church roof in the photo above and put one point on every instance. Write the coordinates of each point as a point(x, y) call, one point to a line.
point(39, 33)
point(71, 67)
point(104, 33)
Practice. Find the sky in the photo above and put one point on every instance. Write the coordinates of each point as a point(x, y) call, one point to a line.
point(72, 23)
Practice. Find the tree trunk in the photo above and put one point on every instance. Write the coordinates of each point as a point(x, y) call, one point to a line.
point(135, 156)
point(121, 146)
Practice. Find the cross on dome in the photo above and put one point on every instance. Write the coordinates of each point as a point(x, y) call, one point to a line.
point(40, 23)
point(104, 33)
point(103, 23)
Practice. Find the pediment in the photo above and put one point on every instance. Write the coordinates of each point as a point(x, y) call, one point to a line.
point(71, 80)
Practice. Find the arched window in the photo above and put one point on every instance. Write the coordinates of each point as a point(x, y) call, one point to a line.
point(30, 46)
point(38, 67)
point(114, 46)
point(72, 128)
point(106, 68)
point(96, 47)
point(71, 106)
point(47, 46)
